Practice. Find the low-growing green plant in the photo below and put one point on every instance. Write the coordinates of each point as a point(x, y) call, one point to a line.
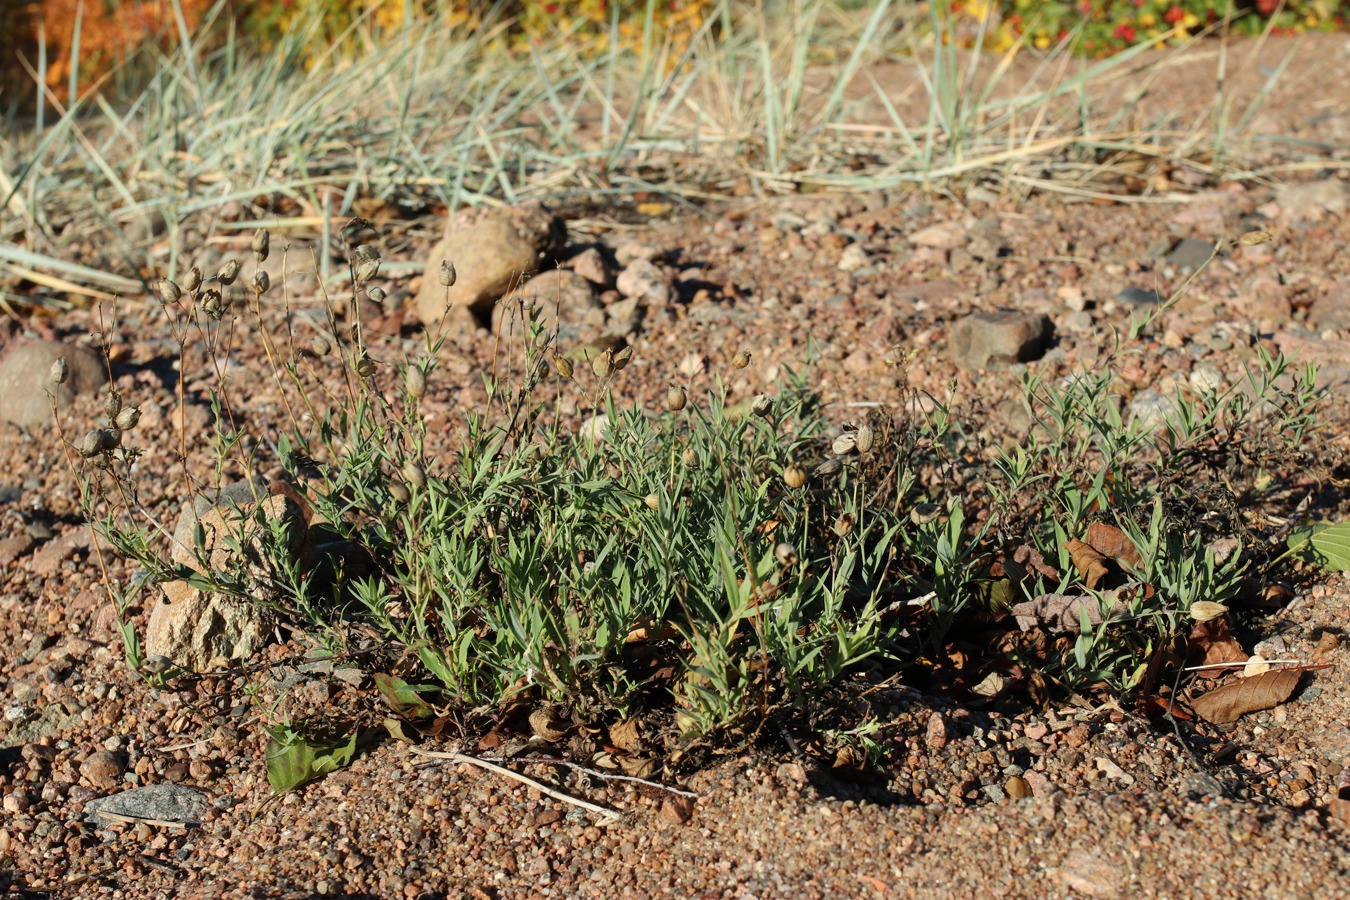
point(1169, 478)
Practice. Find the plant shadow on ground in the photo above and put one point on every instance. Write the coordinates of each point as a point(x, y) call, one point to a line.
point(657, 588)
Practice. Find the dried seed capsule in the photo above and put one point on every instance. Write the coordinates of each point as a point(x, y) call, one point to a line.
point(211, 303)
point(786, 554)
point(924, 513)
point(112, 406)
point(447, 273)
point(741, 359)
point(542, 339)
point(260, 283)
point(1204, 610)
point(60, 371)
point(415, 383)
point(675, 398)
point(689, 457)
point(365, 252)
point(829, 467)
point(109, 438)
point(762, 405)
point(844, 444)
point(320, 345)
point(376, 295)
point(193, 279)
point(365, 368)
point(564, 367)
point(415, 475)
point(621, 358)
point(603, 365)
point(228, 272)
point(90, 445)
point(168, 291)
point(843, 525)
point(864, 438)
point(127, 418)
point(794, 476)
point(262, 242)
point(399, 491)
point(367, 269)
point(653, 501)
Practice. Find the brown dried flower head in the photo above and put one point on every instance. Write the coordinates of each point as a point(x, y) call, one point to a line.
point(228, 272)
point(367, 269)
point(653, 501)
point(741, 359)
point(167, 291)
point(399, 491)
point(415, 382)
point(128, 418)
point(564, 367)
point(603, 365)
point(843, 525)
point(262, 242)
point(113, 405)
point(193, 279)
point(762, 405)
point(415, 475)
point(622, 358)
point(110, 438)
point(211, 303)
point(365, 368)
point(843, 445)
point(261, 282)
point(864, 438)
point(447, 273)
point(794, 476)
point(90, 445)
point(689, 457)
point(676, 398)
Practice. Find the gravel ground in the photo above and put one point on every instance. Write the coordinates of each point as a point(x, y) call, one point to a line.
point(1073, 801)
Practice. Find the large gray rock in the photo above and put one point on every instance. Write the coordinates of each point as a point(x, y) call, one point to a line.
point(493, 251)
point(201, 631)
point(156, 802)
point(25, 380)
point(982, 338)
point(234, 536)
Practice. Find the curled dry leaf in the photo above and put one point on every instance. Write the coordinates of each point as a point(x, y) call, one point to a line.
point(1232, 701)
point(1091, 565)
point(1062, 612)
point(548, 724)
point(1111, 542)
point(1211, 644)
point(626, 735)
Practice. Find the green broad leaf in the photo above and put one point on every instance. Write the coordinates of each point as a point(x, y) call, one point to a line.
point(1329, 545)
point(403, 698)
point(294, 758)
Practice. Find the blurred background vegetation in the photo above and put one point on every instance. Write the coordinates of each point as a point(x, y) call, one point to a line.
point(76, 44)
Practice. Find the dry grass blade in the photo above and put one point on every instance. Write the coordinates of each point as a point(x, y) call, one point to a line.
point(605, 811)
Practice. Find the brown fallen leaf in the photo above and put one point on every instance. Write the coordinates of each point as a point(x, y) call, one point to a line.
point(1326, 645)
point(1090, 564)
point(1232, 701)
point(1111, 542)
point(1211, 643)
point(626, 735)
point(1060, 612)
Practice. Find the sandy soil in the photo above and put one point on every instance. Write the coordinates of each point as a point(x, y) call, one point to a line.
point(1118, 807)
